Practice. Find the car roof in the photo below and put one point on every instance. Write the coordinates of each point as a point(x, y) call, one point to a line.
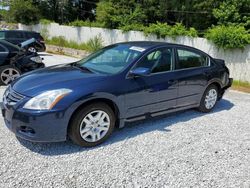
point(152, 44)
point(18, 31)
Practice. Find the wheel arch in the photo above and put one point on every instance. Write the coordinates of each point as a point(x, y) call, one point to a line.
point(215, 82)
point(113, 105)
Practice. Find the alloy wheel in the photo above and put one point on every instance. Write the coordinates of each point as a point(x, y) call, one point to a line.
point(94, 126)
point(211, 98)
point(8, 75)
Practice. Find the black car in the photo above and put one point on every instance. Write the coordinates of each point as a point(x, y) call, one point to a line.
point(18, 36)
point(15, 60)
point(120, 83)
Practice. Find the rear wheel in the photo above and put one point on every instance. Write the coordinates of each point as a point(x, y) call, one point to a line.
point(8, 73)
point(209, 99)
point(92, 125)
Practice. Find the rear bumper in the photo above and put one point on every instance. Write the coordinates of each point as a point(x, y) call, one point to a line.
point(229, 84)
point(223, 90)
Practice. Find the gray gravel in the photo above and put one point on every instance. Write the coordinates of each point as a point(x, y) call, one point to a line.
point(188, 149)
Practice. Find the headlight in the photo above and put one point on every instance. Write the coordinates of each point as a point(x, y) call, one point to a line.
point(37, 59)
point(46, 100)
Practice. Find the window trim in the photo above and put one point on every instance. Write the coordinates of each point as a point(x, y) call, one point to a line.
point(193, 51)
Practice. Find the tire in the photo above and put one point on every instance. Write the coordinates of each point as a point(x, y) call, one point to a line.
point(93, 131)
point(8, 73)
point(209, 99)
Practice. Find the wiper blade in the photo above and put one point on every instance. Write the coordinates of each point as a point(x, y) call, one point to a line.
point(75, 64)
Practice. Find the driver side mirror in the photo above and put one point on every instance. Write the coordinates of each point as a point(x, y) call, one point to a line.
point(140, 71)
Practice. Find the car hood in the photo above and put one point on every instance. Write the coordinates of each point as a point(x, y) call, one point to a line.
point(55, 77)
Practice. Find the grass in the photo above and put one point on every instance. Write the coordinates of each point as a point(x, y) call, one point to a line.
point(91, 45)
point(241, 86)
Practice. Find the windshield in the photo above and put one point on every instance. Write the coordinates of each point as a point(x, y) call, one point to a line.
point(112, 59)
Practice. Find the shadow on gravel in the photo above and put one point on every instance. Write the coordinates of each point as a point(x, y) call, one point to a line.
point(131, 130)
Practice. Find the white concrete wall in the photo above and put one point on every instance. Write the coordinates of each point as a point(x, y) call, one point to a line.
point(237, 60)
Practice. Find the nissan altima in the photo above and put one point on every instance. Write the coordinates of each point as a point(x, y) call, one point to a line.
point(123, 82)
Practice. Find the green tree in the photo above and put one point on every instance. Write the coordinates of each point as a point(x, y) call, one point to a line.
point(233, 11)
point(23, 11)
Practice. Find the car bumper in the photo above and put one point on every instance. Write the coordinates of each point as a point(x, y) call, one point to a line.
point(229, 84)
point(36, 126)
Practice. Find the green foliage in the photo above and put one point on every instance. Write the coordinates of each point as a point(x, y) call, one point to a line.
point(163, 30)
point(228, 37)
point(241, 83)
point(133, 27)
point(94, 44)
point(91, 45)
point(23, 11)
point(105, 14)
point(45, 21)
point(87, 23)
point(232, 11)
point(117, 14)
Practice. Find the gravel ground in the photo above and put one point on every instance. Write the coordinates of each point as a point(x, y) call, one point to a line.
point(187, 149)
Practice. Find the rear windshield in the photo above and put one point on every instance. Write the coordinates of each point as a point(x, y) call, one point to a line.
point(29, 35)
point(2, 35)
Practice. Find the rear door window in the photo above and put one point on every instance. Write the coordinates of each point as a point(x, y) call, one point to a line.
point(189, 59)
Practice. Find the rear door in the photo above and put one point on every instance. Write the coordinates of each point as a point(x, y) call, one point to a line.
point(193, 74)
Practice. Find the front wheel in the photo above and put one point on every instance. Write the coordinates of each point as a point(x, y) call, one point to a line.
point(209, 99)
point(8, 73)
point(92, 125)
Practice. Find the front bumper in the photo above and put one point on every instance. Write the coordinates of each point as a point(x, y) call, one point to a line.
point(36, 126)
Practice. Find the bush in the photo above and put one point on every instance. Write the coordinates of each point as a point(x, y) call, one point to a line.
point(132, 27)
point(228, 37)
point(163, 30)
point(45, 21)
point(81, 23)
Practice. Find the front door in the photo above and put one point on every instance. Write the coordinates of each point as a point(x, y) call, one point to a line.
point(157, 91)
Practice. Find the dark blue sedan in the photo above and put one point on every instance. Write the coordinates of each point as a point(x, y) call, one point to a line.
point(120, 83)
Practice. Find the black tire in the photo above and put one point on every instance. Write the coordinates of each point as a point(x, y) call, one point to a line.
point(78, 117)
point(203, 108)
point(4, 69)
